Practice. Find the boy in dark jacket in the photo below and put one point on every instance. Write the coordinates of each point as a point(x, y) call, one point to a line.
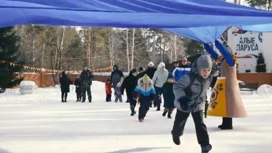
point(117, 78)
point(190, 96)
point(86, 78)
point(130, 83)
point(78, 89)
point(168, 96)
point(147, 91)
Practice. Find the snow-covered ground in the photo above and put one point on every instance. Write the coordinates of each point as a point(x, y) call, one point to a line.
point(40, 123)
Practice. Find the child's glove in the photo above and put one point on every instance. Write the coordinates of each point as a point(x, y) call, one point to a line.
point(183, 102)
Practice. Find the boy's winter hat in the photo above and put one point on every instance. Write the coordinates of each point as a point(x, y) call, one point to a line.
point(184, 59)
point(161, 65)
point(141, 68)
point(150, 64)
point(133, 71)
point(204, 62)
point(146, 78)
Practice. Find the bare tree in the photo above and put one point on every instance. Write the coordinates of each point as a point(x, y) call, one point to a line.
point(132, 48)
point(128, 60)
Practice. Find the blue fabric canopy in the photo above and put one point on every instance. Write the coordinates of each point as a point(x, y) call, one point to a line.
point(258, 28)
point(201, 34)
point(201, 20)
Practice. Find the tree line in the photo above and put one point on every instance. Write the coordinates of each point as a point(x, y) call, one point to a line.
point(71, 48)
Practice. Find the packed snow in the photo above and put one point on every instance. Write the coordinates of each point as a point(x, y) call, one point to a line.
point(40, 123)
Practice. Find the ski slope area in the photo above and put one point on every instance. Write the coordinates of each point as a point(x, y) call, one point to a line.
point(40, 123)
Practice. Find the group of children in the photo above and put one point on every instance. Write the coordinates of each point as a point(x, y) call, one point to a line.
point(141, 89)
point(188, 95)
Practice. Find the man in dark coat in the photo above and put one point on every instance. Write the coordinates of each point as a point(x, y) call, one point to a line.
point(117, 79)
point(150, 71)
point(130, 83)
point(65, 86)
point(86, 77)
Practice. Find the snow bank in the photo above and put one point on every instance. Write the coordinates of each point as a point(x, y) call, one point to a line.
point(264, 89)
point(27, 87)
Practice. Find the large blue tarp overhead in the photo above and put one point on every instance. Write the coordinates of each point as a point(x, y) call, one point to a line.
point(202, 20)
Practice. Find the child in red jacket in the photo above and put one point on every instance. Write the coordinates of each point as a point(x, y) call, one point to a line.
point(108, 90)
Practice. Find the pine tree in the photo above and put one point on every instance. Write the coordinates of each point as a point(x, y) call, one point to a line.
point(261, 4)
point(261, 66)
point(193, 47)
point(9, 52)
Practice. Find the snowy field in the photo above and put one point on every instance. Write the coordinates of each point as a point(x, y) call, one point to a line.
point(40, 123)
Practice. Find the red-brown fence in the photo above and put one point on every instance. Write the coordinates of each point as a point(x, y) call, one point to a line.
point(46, 79)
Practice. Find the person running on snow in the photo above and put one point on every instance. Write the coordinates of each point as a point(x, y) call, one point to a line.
point(183, 68)
point(130, 83)
point(146, 90)
point(159, 79)
point(168, 96)
point(86, 77)
point(117, 78)
point(190, 96)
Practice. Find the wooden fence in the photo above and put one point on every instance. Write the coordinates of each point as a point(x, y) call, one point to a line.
point(46, 79)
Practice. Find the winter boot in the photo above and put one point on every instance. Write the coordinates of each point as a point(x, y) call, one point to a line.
point(169, 116)
point(90, 98)
point(62, 98)
point(224, 127)
point(158, 107)
point(170, 113)
point(132, 108)
point(164, 112)
point(206, 148)
point(226, 124)
point(176, 139)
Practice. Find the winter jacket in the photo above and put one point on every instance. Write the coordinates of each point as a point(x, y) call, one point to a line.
point(129, 83)
point(146, 91)
point(150, 71)
point(78, 85)
point(191, 90)
point(168, 94)
point(160, 76)
point(64, 83)
point(86, 78)
point(181, 71)
point(116, 76)
point(108, 88)
point(140, 75)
